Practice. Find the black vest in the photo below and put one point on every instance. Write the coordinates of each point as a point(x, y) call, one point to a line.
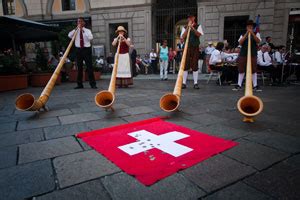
point(244, 48)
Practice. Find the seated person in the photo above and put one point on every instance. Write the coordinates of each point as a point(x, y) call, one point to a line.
point(264, 62)
point(146, 63)
point(230, 62)
point(215, 61)
point(100, 63)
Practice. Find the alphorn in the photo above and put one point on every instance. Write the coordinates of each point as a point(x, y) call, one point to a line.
point(105, 99)
point(249, 105)
point(27, 102)
point(170, 101)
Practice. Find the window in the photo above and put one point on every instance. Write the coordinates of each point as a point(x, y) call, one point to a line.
point(8, 7)
point(234, 27)
point(68, 5)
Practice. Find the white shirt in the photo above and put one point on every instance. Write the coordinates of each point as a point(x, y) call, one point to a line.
point(209, 50)
point(153, 56)
point(277, 57)
point(257, 35)
point(263, 61)
point(199, 29)
point(87, 37)
point(215, 57)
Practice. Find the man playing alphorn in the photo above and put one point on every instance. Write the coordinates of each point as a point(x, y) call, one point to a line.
point(193, 49)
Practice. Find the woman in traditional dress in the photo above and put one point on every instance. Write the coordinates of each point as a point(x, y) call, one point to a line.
point(124, 75)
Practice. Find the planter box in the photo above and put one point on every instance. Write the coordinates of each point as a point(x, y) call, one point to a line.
point(97, 76)
point(41, 80)
point(13, 82)
point(73, 76)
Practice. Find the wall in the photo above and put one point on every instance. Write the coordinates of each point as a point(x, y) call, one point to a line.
point(36, 7)
point(139, 25)
point(116, 3)
point(274, 16)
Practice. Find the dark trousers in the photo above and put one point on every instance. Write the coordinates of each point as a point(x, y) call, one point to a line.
point(154, 66)
point(85, 54)
point(271, 69)
point(224, 70)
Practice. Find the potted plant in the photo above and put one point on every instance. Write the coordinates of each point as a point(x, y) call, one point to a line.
point(12, 74)
point(43, 71)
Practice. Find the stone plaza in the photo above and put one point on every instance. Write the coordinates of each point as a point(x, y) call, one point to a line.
point(40, 157)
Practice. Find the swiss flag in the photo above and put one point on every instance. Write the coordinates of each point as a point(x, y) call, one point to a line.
point(153, 149)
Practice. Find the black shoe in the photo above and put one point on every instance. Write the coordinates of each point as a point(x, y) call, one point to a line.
point(183, 86)
point(79, 87)
point(166, 79)
point(257, 89)
point(237, 88)
point(94, 87)
point(196, 87)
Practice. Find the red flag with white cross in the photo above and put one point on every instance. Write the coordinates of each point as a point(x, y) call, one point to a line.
point(153, 149)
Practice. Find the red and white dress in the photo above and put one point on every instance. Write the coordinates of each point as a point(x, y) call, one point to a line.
point(124, 75)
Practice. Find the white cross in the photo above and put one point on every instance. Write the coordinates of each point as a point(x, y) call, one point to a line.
point(164, 142)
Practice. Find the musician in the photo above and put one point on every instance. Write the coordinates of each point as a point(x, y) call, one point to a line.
point(242, 60)
point(264, 62)
point(193, 49)
point(83, 53)
point(124, 75)
point(216, 61)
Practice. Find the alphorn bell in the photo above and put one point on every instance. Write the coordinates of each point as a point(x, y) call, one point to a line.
point(106, 98)
point(249, 105)
point(170, 101)
point(27, 102)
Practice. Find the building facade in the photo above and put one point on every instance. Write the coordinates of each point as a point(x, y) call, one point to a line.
point(150, 21)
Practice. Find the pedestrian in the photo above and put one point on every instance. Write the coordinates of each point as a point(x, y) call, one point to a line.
point(163, 60)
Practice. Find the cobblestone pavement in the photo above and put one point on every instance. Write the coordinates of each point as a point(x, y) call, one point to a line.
point(40, 158)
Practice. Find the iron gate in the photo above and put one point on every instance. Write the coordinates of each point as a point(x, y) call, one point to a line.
point(167, 14)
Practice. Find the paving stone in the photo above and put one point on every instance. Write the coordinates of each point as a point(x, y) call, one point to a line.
point(54, 113)
point(134, 118)
point(8, 156)
point(70, 119)
point(239, 190)
point(80, 167)
point(94, 125)
point(219, 131)
point(279, 141)
point(256, 155)
point(139, 110)
point(205, 119)
point(28, 180)
point(92, 190)
point(85, 109)
point(64, 130)
point(280, 181)
point(217, 172)
point(21, 137)
point(48, 149)
point(37, 123)
point(16, 117)
point(57, 106)
point(258, 126)
point(84, 145)
point(173, 187)
point(7, 127)
point(106, 115)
